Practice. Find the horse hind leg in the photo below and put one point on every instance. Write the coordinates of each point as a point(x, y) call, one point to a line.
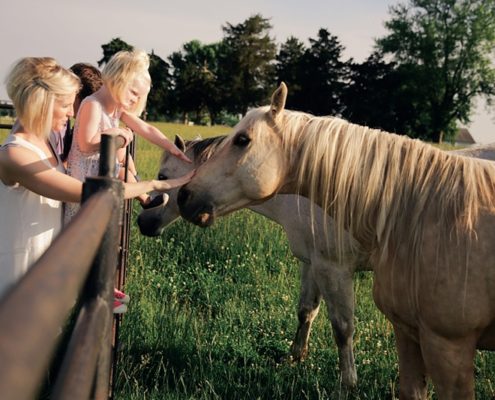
point(336, 285)
point(309, 305)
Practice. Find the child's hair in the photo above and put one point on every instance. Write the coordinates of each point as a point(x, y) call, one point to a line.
point(90, 77)
point(123, 68)
point(33, 84)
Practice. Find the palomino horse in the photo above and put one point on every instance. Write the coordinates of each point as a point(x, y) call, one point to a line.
point(425, 217)
point(321, 275)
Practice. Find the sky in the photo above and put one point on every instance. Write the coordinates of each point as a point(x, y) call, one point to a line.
point(73, 31)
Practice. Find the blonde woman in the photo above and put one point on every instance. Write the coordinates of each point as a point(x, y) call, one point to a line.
point(121, 98)
point(33, 184)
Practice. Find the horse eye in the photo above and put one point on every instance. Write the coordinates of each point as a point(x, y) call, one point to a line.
point(162, 177)
point(242, 140)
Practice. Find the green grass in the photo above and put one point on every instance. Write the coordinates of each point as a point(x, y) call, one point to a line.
point(213, 313)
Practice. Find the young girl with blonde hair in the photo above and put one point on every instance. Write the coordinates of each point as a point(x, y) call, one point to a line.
point(122, 98)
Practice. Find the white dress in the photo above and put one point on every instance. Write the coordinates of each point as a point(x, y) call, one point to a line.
point(28, 222)
point(82, 164)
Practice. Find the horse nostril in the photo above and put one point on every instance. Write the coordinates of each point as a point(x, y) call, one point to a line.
point(183, 195)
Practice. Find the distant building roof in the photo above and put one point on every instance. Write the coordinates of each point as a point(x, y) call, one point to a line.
point(464, 137)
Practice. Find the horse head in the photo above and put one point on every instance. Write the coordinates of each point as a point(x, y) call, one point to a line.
point(159, 214)
point(247, 169)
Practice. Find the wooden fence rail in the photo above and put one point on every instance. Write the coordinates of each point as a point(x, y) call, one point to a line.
point(80, 264)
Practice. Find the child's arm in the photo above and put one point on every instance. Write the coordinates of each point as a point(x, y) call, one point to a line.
point(152, 134)
point(88, 131)
point(23, 166)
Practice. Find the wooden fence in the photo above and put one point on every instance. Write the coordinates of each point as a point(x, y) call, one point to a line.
point(76, 273)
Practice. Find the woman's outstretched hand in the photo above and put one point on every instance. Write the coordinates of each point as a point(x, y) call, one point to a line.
point(162, 186)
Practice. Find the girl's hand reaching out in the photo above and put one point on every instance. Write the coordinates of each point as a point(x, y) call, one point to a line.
point(176, 152)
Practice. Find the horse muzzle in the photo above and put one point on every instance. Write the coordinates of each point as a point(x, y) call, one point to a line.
point(150, 219)
point(195, 209)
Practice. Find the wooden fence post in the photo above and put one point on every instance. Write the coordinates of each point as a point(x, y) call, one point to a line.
point(100, 283)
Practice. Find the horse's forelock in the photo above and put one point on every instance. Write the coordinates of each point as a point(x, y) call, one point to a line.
point(204, 148)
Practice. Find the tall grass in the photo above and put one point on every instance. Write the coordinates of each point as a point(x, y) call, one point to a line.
point(213, 313)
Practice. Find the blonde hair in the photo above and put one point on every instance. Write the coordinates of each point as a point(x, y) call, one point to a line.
point(122, 70)
point(33, 85)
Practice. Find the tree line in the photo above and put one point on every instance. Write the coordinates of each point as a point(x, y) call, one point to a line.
point(421, 79)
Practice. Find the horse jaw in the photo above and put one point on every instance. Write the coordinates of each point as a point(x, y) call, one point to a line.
point(156, 216)
point(195, 209)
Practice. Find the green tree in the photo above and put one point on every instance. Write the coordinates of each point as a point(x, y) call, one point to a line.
point(195, 78)
point(112, 47)
point(445, 49)
point(246, 64)
point(290, 69)
point(159, 103)
point(377, 95)
point(324, 74)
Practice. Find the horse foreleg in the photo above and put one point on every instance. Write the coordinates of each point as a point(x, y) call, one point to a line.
point(412, 372)
point(336, 285)
point(309, 304)
point(450, 363)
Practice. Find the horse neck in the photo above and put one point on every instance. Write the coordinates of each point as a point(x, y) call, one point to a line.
point(329, 161)
point(293, 137)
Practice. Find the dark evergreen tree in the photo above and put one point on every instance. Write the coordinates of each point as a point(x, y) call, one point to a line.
point(324, 75)
point(159, 104)
point(290, 69)
point(379, 96)
point(246, 64)
point(112, 47)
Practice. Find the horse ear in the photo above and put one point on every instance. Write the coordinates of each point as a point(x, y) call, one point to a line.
point(179, 142)
point(278, 100)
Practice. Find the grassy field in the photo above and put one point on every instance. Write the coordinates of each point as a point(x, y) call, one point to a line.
point(213, 313)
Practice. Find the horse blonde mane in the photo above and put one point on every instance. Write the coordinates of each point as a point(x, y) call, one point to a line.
point(382, 187)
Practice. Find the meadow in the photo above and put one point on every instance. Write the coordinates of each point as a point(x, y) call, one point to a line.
point(213, 314)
